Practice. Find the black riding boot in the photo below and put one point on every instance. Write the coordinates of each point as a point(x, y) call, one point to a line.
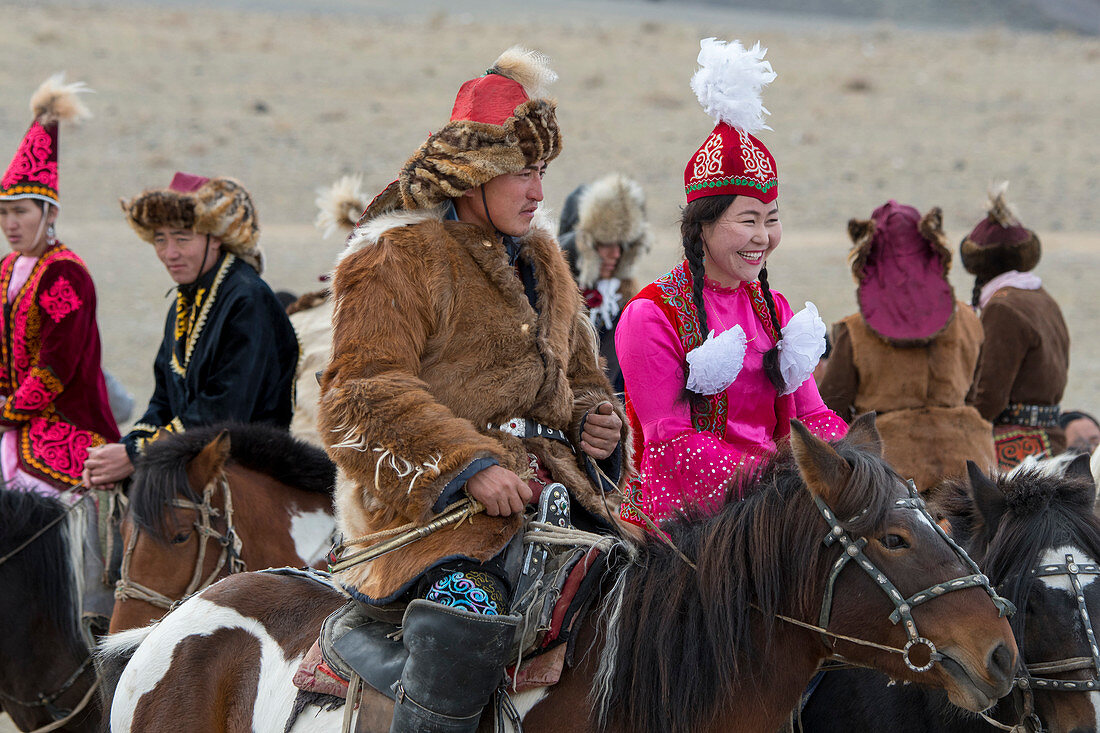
point(456, 661)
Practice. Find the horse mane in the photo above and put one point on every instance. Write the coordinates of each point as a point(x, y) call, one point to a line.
point(676, 638)
point(161, 475)
point(45, 564)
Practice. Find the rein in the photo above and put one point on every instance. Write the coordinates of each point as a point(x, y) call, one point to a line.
point(28, 542)
point(230, 542)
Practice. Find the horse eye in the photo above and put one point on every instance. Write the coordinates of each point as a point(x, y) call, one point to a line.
point(181, 538)
point(893, 542)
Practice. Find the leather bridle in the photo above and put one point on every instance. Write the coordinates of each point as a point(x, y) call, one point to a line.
point(903, 607)
point(230, 542)
point(1027, 681)
point(60, 716)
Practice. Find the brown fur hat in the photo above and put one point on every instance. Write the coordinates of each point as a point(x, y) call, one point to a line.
point(1000, 242)
point(220, 207)
point(611, 209)
point(500, 124)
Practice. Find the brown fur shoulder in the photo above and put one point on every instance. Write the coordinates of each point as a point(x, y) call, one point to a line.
point(309, 301)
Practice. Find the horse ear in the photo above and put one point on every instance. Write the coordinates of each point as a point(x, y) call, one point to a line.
point(987, 496)
point(824, 471)
point(212, 457)
point(1079, 468)
point(863, 434)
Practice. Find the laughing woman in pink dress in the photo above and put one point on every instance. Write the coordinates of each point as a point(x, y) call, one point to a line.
point(53, 398)
point(715, 363)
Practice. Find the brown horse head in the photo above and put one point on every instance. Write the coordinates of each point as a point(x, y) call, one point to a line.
point(977, 648)
point(705, 647)
point(217, 500)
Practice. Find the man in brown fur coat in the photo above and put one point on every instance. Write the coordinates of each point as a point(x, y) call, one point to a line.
point(463, 363)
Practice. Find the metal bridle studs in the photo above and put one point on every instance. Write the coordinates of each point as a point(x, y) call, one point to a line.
point(903, 607)
point(933, 655)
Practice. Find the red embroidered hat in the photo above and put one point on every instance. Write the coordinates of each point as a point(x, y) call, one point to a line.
point(32, 173)
point(999, 243)
point(732, 161)
point(900, 262)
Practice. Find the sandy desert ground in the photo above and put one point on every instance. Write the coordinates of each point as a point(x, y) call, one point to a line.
point(289, 99)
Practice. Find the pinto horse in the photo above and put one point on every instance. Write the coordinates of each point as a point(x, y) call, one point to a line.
point(719, 634)
point(46, 674)
point(217, 500)
point(1020, 528)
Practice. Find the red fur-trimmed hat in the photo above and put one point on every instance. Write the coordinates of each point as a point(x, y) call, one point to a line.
point(900, 261)
point(32, 173)
point(501, 123)
point(999, 243)
point(732, 161)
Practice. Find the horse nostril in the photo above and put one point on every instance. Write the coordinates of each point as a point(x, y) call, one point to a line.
point(1000, 662)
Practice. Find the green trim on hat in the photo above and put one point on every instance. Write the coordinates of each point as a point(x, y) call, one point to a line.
point(733, 181)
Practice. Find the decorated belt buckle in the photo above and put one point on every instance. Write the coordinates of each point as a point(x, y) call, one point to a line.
point(517, 426)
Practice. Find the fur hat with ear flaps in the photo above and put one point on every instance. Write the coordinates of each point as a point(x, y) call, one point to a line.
point(32, 173)
point(220, 207)
point(1000, 242)
point(610, 210)
point(900, 262)
point(501, 123)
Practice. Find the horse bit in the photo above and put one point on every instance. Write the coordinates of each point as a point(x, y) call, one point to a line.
point(903, 607)
point(230, 543)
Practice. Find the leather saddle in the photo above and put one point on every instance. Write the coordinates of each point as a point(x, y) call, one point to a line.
point(366, 640)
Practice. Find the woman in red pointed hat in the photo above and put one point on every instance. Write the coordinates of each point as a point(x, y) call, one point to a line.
point(715, 362)
point(54, 395)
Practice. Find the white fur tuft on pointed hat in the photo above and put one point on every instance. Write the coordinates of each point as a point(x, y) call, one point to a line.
point(729, 83)
point(56, 101)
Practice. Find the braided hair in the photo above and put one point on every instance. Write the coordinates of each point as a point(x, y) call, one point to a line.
point(696, 214)
point(976, 293)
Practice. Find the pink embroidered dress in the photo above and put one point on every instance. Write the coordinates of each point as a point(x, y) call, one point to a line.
point(51, 380)
point(689, 456)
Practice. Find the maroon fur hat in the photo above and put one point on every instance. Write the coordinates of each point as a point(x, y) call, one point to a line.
point(999, 243)
point(900, 261)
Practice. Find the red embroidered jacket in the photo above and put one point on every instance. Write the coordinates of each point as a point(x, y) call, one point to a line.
point(51, 378)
